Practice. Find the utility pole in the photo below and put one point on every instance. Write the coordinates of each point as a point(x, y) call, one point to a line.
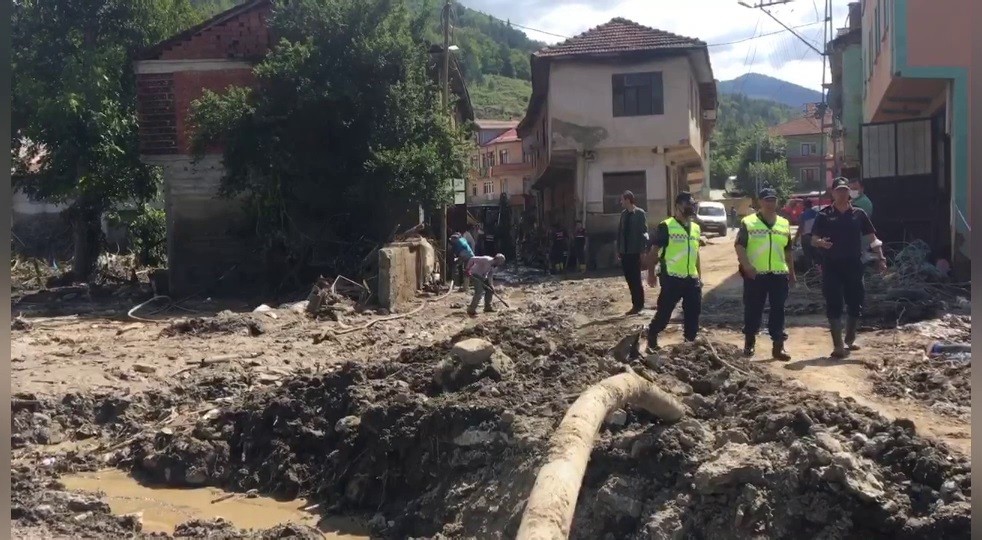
point(445, 87)
point(758, 167)
point(824, 53)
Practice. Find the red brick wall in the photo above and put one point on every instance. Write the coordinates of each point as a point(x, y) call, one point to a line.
point(245, 37)
point(155, 111)
point(190, 85)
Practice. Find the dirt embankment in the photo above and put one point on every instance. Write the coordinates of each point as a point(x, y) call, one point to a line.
point(431, 445)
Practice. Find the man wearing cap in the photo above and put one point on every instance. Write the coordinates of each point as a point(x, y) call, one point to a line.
point(838, 233)
point(763, 247)
point(677, 239)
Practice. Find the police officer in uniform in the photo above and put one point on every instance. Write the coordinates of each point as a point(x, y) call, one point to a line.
point(839, 233)
point(677, 239)
point(763, 247)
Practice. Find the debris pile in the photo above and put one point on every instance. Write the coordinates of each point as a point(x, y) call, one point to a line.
point(225, 322)
point(447, 440)
point(941, 381)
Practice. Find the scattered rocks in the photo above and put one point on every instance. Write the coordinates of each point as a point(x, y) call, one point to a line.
point(473, 352)
point(734, 463)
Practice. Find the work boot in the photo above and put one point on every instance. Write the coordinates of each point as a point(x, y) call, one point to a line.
point(779, 353)
point(748, 346)
point(850, 338)
point(652, 343)
point(489, 309)
point(839, 351)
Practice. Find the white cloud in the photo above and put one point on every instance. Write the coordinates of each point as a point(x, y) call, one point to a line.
point(780, 55)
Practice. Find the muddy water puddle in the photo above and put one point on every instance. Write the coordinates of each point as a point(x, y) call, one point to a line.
point(165, 508)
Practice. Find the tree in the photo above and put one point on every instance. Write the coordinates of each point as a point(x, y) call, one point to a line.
point(772, 149)
point(74, 105)
point(773, 174)
point(345, 114)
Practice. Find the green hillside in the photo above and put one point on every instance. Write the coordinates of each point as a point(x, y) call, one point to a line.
point(500, 98)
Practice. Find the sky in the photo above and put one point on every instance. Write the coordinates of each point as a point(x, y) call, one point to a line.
point(772, 51)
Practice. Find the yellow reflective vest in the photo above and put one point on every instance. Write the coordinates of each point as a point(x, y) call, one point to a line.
point(766, 245)
point(681, 255)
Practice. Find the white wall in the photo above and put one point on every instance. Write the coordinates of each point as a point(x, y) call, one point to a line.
point(580, 93)
point(625, 160)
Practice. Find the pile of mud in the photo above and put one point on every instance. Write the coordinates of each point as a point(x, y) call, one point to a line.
point(431, 445)
point(943, 382)
point(225, 322)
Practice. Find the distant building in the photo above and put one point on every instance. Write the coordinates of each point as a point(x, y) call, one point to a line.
point(619, 107)
point(804, 137)
point(500, 166)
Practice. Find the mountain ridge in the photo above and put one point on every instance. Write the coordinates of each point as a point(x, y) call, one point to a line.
point(760, 86)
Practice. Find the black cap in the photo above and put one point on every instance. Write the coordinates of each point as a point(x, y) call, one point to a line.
point(767, 193)
point(684, 197)
point(840, 182)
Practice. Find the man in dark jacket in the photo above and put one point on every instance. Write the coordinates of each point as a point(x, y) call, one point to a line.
point(631, 243)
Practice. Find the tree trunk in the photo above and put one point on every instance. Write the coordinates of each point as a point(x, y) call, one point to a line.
point(87, 237)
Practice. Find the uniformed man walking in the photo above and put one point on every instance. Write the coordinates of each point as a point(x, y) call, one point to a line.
point(839, 232)
point(763, 248)
point(677, 239)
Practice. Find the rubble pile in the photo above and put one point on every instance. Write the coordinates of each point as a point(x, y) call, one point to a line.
point(446, 441)
point(943, 382)
point(225, 322)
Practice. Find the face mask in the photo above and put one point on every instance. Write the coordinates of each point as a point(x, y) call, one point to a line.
point(853, 193)
point(688, 211)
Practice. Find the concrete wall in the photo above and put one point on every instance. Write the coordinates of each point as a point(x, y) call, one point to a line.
point(581, 110)
point(852, 102)
point(206, 234)
point(941, 33)
point(404, 268)
point(878, 79)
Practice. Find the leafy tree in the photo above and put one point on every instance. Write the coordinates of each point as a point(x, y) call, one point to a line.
point(740, 120)
point(74, 105)
point(772, 154)
point(345, 115)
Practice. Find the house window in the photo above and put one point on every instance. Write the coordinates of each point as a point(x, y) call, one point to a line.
point(474, 190)
point(488, 187)
point(876, 13)
point(809, 149)
point(615, 184)
point(809, 176)
point(503, 157)
point(638, 94)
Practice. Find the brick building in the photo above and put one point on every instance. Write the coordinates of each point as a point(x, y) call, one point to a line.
point(207, 235)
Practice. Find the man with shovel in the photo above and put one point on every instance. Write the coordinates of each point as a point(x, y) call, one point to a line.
point(481, 270)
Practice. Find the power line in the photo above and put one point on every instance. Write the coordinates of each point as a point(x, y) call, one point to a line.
point(744, 40)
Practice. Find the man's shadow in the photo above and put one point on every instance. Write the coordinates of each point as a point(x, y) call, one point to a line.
point(822, 361)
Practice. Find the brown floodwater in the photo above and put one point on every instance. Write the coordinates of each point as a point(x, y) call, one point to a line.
point(165, 508)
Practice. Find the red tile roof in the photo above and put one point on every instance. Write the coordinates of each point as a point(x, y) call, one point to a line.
point(620, 35)
point(509, 136)
point(805, 125)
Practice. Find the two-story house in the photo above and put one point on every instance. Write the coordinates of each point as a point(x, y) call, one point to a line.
point(804, 137)
point(915, 61)
point(619, 107)
point(500, 166)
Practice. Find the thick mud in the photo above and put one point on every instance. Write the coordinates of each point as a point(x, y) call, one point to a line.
point(437, 445)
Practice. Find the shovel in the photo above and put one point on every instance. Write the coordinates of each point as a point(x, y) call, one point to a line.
point(488, 286)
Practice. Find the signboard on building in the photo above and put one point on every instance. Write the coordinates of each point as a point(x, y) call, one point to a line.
point(459, 191)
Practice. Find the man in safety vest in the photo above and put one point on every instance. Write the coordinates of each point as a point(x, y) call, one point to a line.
point(763, 247)
point(677, 239)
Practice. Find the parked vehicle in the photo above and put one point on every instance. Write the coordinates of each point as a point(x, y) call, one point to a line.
point(711, 217)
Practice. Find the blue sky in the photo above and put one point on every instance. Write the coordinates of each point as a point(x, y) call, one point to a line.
point(720, 22)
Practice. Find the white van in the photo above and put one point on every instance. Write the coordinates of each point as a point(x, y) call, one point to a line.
point(711, 217)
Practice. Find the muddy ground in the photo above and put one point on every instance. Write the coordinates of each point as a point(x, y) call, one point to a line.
point(384, 423)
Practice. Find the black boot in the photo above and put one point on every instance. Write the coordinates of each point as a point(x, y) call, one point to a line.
point(779, 353)
point(748, 345)
point(652, 343)
point(839, 351)
point(850, 339)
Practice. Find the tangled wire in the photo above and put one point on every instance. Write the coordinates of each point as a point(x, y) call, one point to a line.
point(909, 279)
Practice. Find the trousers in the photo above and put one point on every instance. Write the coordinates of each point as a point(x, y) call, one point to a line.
point(673, 289)
point(771, 289)
point(843, 286)
point(631, 265)
point(480, 290)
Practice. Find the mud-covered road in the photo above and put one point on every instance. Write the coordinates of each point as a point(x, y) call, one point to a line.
point(383, 425)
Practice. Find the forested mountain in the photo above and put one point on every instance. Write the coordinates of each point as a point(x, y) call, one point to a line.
point(758, 86)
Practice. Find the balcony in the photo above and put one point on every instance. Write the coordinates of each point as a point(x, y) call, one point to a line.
point(511, 168)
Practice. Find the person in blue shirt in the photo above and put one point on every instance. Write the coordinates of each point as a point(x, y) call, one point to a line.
point(462, 253)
